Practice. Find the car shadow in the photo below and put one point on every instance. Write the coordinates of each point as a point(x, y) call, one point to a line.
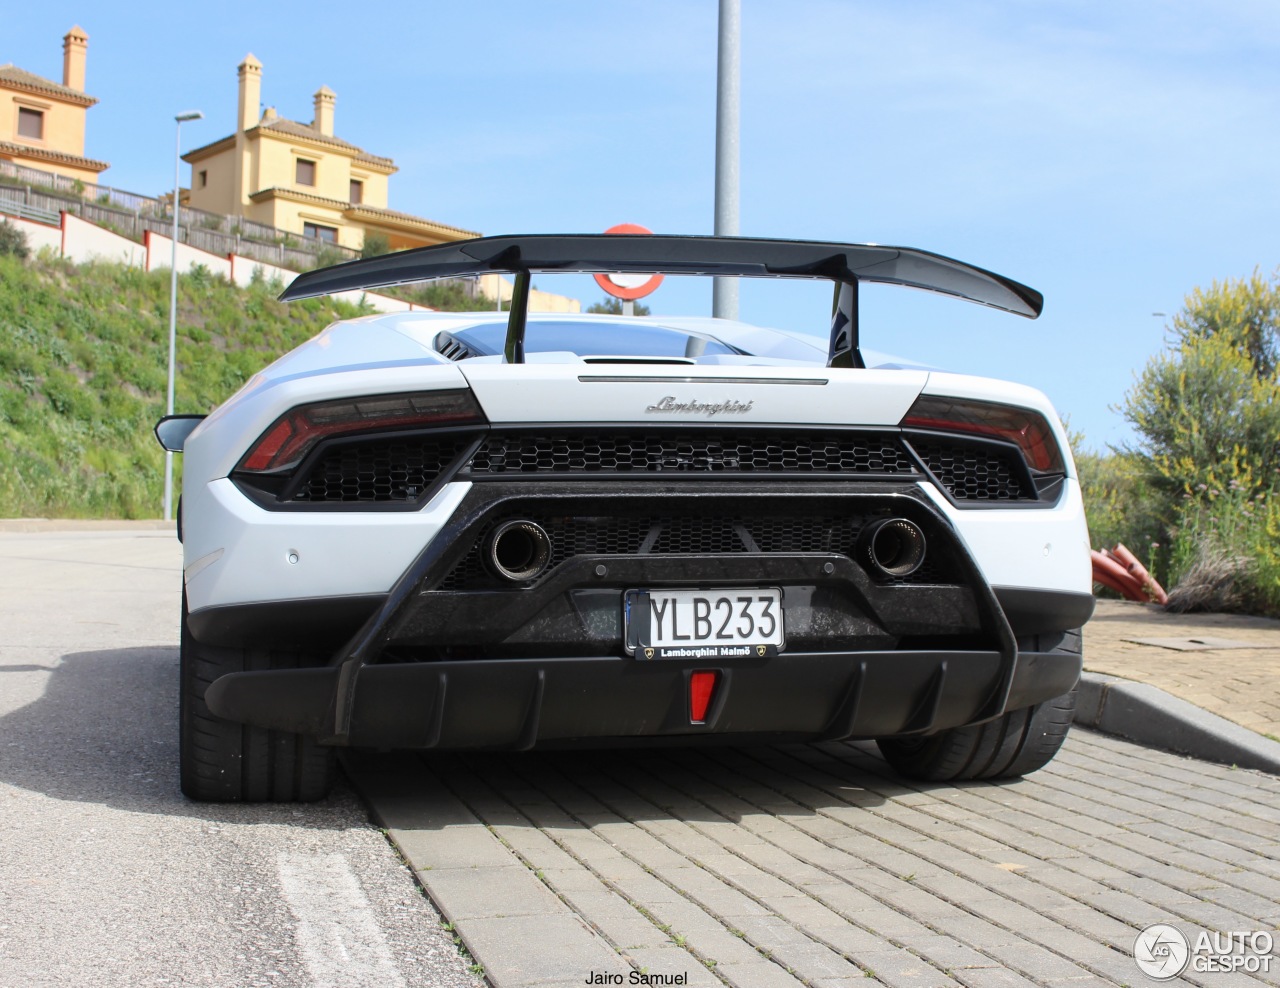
point(105, 731)
point(694, 784)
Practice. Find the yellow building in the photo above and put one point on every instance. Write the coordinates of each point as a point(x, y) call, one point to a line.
point(42, 122)
point(301, 178)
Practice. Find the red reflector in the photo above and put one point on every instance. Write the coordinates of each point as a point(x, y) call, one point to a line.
point(702, 685)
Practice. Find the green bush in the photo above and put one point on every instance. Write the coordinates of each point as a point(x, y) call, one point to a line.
point(447, 296)
point(375, 244)
point(13, 241)
point(327, 256)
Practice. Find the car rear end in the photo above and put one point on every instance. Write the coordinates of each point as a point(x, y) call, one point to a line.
point(509, 555)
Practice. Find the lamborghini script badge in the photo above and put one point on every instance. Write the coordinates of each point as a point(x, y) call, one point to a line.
point(669, 405)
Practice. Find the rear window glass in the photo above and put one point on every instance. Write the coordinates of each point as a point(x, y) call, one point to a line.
point(596, 340)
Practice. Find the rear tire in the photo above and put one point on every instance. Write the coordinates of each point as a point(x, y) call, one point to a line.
point(224, 762)
point(1008, 747)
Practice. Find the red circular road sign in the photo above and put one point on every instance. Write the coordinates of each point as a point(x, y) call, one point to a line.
point(628, 287)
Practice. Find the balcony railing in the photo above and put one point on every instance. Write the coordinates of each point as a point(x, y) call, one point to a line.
point(30, 193)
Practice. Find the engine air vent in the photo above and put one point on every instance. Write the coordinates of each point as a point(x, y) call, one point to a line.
point(449, 346)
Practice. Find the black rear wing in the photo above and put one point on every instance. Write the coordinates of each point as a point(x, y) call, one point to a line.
point(844, 264)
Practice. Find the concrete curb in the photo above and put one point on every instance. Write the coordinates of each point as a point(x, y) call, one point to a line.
point(1150, 716)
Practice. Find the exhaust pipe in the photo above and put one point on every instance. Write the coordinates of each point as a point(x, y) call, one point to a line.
point(518, 550)
point(894, 547)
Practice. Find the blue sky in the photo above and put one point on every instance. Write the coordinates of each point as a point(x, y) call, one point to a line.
point(1113, 156)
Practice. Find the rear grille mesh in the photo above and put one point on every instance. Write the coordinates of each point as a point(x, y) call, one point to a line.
point(403, 468)
point(973, 472)
point(687, 534)
point(399, 469)
point(741, 451)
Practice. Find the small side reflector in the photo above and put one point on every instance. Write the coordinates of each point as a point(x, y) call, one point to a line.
point(702, 686)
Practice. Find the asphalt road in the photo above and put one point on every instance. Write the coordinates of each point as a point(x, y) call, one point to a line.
point(108, 876)
point(748, 868)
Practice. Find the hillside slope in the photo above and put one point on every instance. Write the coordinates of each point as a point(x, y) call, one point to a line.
point(83, 371)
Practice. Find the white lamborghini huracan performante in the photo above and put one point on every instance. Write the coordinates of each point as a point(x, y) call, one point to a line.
point(502, 531)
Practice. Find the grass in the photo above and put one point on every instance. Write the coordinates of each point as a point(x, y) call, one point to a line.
point(1226, 551)
point(83, 375)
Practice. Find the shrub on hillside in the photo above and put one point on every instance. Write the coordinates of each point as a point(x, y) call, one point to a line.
point(13, 241)
point(375, 244)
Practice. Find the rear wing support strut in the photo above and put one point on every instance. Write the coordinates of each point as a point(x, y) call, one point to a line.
point(843, 345)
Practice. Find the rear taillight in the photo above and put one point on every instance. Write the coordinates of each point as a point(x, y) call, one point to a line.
point(1027, 429)
point(295, 433)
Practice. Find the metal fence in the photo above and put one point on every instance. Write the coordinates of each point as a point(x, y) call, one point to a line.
point(32, 194)
point(16, 202)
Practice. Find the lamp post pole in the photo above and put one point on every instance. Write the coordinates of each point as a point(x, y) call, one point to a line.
point(181, 118)
point(724, 292)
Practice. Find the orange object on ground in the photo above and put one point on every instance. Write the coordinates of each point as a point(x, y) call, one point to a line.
point(1130, 562)
point(1110, 573)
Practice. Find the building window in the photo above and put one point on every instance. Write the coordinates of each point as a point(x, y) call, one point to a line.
point(357, 191)
point(306, 172)
point(204, 179)
point(329, 234)
point(31, 123)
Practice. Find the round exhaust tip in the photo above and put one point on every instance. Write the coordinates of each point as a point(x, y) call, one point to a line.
point(895, 547)
point(519, 550)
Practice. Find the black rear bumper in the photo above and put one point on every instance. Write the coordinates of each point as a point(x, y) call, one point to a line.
point(517, 703)
point(446, 660)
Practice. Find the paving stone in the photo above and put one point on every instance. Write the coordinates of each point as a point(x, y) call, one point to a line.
point(535, 847)
point(829, 861)
point(467, 893)
point(817, 961)
point(900, 969)
point(514, 950)
point(981, 935)
point(758, 974)
point(991, 977)
point(455, 847)
point(1042, 964)
point(947, 953)
point(842, 897)
point(617, 921)
point(845, 938)
point(654, 961)
point(771, 933)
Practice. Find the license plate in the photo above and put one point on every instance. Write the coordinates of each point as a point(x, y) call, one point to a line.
point(704, 624)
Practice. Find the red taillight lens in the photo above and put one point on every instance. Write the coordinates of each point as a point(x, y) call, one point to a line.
point(1022, 426)
point(293, 435)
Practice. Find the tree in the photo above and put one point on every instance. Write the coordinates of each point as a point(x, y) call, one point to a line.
point(1207, 413)
point(1208, 410)
point(613, 307)
point(1245, 312)
point(374, 245)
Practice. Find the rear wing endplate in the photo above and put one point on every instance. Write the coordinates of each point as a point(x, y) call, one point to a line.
point(844, 264)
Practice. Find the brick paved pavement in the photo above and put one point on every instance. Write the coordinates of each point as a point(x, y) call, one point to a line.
point(811, 865)
point(1242, 685)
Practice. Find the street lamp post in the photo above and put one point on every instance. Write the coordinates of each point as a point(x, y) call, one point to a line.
point(724, 291)
point(181, 118)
